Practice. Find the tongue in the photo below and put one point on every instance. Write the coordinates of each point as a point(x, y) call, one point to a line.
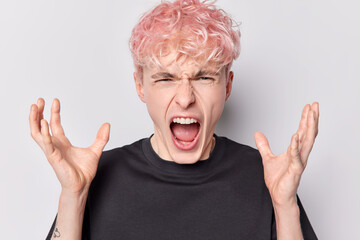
point(185, 132)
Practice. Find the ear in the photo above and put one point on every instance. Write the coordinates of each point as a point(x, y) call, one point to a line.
point(139, 87)
point(229, 80)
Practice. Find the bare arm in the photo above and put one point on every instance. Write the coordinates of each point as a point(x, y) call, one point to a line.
point(287, 219)
point(70, 217)
point(74, 167)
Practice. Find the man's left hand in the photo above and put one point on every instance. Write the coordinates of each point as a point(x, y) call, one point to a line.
point(282, 173)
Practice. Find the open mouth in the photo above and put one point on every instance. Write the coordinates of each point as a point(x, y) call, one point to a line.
point(185, 132)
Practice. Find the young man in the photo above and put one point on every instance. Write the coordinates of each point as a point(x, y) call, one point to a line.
point(183, 182)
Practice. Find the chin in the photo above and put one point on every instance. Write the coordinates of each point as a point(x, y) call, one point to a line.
point(186, 158)
point(192, 156)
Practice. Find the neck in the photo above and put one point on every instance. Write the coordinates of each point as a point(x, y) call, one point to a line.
point(160, 149)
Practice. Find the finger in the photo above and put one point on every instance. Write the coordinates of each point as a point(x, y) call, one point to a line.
point(315, 108)
point(303, 124)
point(102, 138)
point(55, 122)
point(263, 146)
point(295, 154)
point(40, 104)
point(310, 137)
point(46, 138)
point(34, 125)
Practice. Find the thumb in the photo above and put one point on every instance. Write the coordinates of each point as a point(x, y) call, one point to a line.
point(102, 137)
point(263, 145)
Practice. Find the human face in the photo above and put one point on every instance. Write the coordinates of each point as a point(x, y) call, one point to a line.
point(184, 90)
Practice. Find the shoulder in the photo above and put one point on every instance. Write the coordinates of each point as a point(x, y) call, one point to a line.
point(118, 164)
point(121, 156)
point(239, 150)
point(243, 165)
point(128, 149)
point(241, 156)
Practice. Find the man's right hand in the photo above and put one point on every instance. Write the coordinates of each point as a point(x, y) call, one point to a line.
point(74, 167)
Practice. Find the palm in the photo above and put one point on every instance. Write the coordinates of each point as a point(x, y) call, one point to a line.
point(282, 173)
point(74, 167)
point(280, 176)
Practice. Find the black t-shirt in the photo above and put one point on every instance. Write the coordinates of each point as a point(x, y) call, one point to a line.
point(136, 195)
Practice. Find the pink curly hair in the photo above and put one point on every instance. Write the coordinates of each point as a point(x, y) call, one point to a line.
point(193, 28)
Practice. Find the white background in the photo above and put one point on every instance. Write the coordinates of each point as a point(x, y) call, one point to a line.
point(293, 52)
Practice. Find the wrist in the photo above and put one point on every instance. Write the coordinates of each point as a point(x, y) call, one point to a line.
point(70, 215)
point(77, 199)
point(285, 203)
point(290, 210)
point(287, 218)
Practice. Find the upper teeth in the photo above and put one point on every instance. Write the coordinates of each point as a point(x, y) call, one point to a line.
point(184, 120)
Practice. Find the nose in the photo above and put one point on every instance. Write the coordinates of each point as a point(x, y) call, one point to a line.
point(185, 94)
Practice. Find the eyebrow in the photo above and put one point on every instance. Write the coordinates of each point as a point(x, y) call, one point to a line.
point(162, 75)
point(198, 74)
point(206, 72)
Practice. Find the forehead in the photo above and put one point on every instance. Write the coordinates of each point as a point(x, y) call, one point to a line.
point(176, 65)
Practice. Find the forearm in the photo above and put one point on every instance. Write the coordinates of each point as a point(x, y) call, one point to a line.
point(287, 217)
point(70, 216)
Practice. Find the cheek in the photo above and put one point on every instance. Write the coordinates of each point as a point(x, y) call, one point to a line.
point(157, 102)
point(217, 110)
point(212, 91)
point(215, 102)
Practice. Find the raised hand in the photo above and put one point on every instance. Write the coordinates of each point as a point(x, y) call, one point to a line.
point(282, 173)
point(74, 167)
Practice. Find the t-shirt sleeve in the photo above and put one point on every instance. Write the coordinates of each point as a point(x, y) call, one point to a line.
point(306, 228)
point(86, 223)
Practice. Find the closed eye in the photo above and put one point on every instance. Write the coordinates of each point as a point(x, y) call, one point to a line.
point(164, 80)
point(206, 78)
